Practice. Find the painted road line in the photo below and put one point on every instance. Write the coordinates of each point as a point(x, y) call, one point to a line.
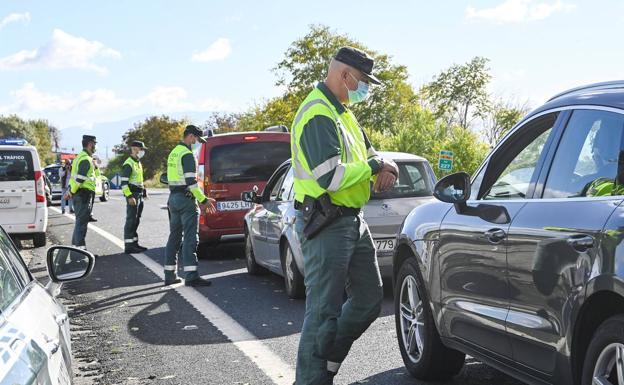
point(267, 361)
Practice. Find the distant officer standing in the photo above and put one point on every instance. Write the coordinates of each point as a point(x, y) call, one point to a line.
point(82, 189)
point(134, 191)
point(183, 210)
point(334, 164)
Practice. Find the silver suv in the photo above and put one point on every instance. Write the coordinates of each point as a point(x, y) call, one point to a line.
point(271, 242)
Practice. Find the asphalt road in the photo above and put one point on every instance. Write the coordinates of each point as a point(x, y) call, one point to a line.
point(129, 329)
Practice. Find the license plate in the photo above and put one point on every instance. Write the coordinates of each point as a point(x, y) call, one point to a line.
point(385, 245)
point(233, 205)
point(5, 203)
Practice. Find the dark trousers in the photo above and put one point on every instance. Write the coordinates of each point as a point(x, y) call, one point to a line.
point(82, 208)
point(183, 224)
point(133, 219)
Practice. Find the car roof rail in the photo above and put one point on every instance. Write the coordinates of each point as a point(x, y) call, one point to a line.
point(614, 84)
point(278, 128)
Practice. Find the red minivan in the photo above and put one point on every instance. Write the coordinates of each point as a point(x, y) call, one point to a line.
point(230, 164)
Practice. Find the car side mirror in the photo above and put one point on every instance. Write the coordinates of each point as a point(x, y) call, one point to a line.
point(454, 188)
point(163, 179)
point(67, 264)
point(250, 196)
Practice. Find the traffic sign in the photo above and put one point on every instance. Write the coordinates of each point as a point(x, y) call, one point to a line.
point(445, 160)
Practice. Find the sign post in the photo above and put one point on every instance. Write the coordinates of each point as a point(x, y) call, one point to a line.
point(445, 160)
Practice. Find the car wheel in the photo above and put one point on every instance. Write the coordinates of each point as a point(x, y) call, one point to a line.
point(424, 355)
point(252, 266)
point(105, 193)
point(39, 240)
point(604, 361)
point(293, 279)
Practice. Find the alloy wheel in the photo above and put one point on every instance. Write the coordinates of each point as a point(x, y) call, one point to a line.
point(609, 368)
point(412, 319)
point(290, 274)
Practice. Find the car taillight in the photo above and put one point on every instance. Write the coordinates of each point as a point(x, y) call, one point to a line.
point(250, 138)
point(39, 187)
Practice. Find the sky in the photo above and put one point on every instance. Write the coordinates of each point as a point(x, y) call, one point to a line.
point(80, 63)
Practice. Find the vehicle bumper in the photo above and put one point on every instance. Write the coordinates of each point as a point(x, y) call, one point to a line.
point(207, 234)
point(40, 224)
point(385, 264)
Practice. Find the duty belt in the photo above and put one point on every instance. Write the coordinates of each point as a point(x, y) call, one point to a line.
point(345, 211)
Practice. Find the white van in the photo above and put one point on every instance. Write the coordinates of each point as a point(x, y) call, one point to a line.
point(23, 210)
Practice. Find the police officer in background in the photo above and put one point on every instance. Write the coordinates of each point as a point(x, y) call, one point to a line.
point(184, 197)
point(82, 189)
point(334, 165)
point(134, 191)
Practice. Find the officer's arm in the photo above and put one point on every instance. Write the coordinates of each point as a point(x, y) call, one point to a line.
point(81, 176)
point(188, 166)
point(126, 171)
point(373, 157)
point(321, 147)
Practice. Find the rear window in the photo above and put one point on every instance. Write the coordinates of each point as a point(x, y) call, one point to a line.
point(246, 162)
point(53, 174)
point(16, 166)
point(414, 181)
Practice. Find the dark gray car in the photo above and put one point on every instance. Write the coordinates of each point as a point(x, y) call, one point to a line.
point(522, 266)
point(272, 244)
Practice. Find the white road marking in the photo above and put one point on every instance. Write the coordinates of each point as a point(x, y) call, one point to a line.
point(271, 364)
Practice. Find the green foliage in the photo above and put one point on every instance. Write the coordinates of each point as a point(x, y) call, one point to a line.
point(114, 165)
point(160, 134)
point(501, 119)
point(38, 133)
point(459, 94)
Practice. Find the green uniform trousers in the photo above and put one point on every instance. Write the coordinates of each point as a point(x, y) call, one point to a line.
point(183, 221)
point(133, 218)
point(82, 210)
point(342, 256)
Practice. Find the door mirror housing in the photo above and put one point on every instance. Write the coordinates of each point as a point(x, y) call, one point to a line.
point(163, 178)
point(67, 264)
point(454, 188)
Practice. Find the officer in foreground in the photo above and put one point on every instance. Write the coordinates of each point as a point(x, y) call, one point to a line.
point(334, 166)
point(82, 189)
point(135, 192)
point(184, 210)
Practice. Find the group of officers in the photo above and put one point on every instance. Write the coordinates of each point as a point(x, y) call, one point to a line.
point(334, 167)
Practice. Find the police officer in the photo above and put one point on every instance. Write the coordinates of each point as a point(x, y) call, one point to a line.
point(334, 165)
point(82, 189)
point(134, 191)
point(184, 210)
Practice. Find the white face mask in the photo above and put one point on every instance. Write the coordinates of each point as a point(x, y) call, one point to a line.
point(141, 154)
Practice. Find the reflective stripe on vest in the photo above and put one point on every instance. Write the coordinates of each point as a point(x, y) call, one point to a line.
point(175, 171)
point(87, 181)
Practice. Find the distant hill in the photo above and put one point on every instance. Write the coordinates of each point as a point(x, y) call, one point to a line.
point(110, 134)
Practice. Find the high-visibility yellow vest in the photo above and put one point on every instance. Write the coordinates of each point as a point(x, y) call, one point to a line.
point(136, 175)
point(353, 149)
point(82, 181)
point(176, 175)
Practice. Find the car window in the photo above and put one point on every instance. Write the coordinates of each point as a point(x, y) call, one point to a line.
point(518, 162)
point(53, 174)
point(586, 161)
point(413, 181)
point(287, 185)
point(16, 166)
point(10, 288)
point(246, 162)
point(277, 188)
point(12, 255)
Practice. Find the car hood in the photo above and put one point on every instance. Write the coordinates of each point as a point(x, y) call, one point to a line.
point(385, 216)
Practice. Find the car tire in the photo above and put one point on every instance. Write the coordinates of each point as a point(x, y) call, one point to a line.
point(293, 279)
point(105, 193)
point(206, 249)
point(424, 355)
point(250, 258)
point(600, 360)
point(39, 240)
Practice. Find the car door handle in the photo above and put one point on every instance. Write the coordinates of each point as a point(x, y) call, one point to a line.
point(581, 242)
point(495, 235)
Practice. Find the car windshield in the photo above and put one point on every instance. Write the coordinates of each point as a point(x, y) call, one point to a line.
point(53, 174)
point(246, 162)
point(414, 181)
point(16, 166)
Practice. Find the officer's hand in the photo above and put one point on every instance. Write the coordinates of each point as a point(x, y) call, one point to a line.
point(132, 201)
point(210, 206)
point(68, 195)
point(391, 167)
point(385, 181)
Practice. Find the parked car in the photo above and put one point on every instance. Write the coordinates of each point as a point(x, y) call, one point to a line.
point(230, 164)
point(53, 173)
point(272, 244)
point(34, 328)
point(521, 266)
point(23, 206)
point(102, 188)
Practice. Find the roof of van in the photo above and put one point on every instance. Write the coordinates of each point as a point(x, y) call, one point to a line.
point(11, 147)
point(248, 133)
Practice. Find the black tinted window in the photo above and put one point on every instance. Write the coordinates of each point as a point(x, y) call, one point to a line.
point(414, 181)
point(53, 174)
point(16, 166)
point(246, 162)
point(586, 162)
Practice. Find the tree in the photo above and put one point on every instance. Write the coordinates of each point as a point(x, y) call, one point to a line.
point(13, 126)
point(37, 132)
point(501, 118)
point(222, 122)
point(459, 94)
point(43, 140)
point(160, 134)
point(305, 63)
